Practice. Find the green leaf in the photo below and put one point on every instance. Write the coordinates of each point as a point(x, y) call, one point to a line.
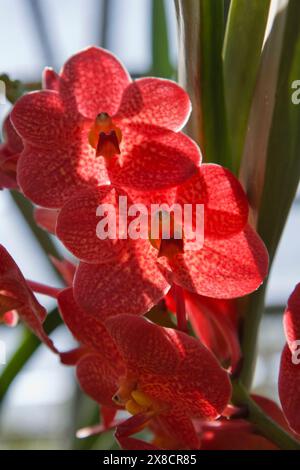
point(262, 422)
point(201, 30)
point(242, 51)
point(282, 170)
point(271, 163)
point(161, 65)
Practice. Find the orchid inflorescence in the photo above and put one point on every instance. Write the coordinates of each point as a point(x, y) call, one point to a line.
point(88, 137)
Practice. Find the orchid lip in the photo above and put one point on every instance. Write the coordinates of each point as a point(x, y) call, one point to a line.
point(139, 402)
point(105, 137)
point(135, 401)
point(171, 243)
point(108, 144)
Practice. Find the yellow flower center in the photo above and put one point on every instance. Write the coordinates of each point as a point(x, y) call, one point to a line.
point(135, 401)
point(139, 403)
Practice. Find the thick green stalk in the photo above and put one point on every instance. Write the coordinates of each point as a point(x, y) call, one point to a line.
point(242, 51)
point(161, 65)
point(201, 31)
point(213, 99)
point(283, 163)
point(267, 427)
point(254, 308)
point(105, 17)
point(272, 175)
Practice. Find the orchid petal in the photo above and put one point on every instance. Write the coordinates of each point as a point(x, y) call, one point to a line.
point(155, 101)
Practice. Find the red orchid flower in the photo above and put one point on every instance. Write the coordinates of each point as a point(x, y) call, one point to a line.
point(98, 126)
point(16, 295)
point(161, 376)
point(234, 435)
point(239, 434)
point(121, 275)
point(289, 375)
point(233, 260)
point(13, 146)
point(9, 153)
point(215, 323)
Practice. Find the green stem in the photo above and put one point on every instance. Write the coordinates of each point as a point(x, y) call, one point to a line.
point(212, 83)
point(201, 33)
point(243, 42)
point(28, 346)
point(267, 427)
point(254, 308)
point(272, 205)
point(161, 65)
point(105, 16)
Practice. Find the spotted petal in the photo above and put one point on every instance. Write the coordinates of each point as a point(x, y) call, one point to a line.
point(87, 329)
point(224, 269)
point(14, 286)
point(289, 375)
point(171, 366)
point(98, 378)
point(155, 101)
point(40, 119)
point(291, 318)
point(132, 284)
point(93, 81)
point(289, 388)
point(78, 221)
point(153, 158)
point(50, 79)
point(177, 431)
point(50, 177)
point(225, 204)
point(212, 322)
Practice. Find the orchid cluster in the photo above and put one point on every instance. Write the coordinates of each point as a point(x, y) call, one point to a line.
point(157, 323)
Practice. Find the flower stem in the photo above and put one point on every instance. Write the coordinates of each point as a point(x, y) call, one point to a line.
point(43, 289)
point(253, 314)
point(268, 428)
point(180, 309)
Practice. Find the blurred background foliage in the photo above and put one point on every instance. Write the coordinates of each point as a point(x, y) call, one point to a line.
point(237, 59)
